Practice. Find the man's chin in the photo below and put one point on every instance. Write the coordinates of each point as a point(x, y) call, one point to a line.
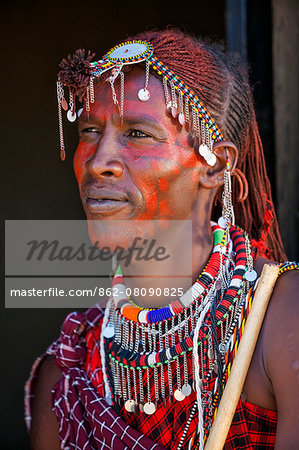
point(118, 233)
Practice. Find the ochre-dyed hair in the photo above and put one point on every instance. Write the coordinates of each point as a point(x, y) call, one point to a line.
point(221, 83)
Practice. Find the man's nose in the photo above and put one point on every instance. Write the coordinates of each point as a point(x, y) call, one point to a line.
point(106, 160)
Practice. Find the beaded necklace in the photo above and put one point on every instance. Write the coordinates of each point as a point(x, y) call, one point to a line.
point(187, 347)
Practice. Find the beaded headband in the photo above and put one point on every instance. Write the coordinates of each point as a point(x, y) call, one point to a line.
point(79, 75)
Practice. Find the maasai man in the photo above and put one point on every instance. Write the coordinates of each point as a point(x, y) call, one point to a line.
point(168, 134)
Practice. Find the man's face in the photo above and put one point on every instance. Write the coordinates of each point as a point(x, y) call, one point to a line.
point(143, 168)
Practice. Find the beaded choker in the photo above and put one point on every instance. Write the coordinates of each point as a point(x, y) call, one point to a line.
point(186, 348)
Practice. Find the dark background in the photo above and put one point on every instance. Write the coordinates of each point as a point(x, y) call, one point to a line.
point(35, 36)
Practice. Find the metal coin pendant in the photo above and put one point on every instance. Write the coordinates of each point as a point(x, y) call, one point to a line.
point(62, 154)
point(109, 331)
point(222, 222)
point(174, 112)
point(186, 390)
point(212, 160)
point(71, 115)
point(143, 95)
point(251, 275)
point(141, 407)
point(64, 104)
point(182, 119)
point(203, 150)
point(178, 395)
point(149, 408)
point(130, 405)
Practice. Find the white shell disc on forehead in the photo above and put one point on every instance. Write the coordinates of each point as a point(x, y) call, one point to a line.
point(129, 52)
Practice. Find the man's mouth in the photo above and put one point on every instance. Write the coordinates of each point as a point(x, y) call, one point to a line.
point(103, 201)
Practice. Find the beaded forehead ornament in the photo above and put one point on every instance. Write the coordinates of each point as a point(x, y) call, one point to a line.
point(79, 74)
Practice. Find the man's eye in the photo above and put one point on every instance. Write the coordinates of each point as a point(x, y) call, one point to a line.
point(138, 134)
point(90, 130)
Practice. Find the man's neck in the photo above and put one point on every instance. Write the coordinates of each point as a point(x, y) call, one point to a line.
point(154, 283)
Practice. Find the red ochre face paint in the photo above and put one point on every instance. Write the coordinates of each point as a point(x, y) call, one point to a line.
point(163, 184)
point(145, 160)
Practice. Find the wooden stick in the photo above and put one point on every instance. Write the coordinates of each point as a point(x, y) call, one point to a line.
point(240, 366)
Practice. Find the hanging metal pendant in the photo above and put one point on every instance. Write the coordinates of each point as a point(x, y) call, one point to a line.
point(62, 154)
point(222, 222)
point(169, 106)
point(178, 395)
point(149, 408)
point(186, 390)
point(210, 353)
point(143, 94)
point(64, 104)
point(182, 118)
point(71, 115)
point(141, 407)
point(251, 275)
point(174, 112)
point(130, 405)
point(109, 331)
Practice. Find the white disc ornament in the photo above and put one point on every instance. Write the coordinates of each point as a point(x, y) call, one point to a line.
point(182, 119)
point(142, 316)
point(251, 275)
point(203, 150)
point(211, 159)
point(169, 106)
point(79, 112)
point(222, 222)
point(149, 408)
point(109, 331)
point(186, 390)
point(143, 95)
point(174, 112)
point(130, 405)
point(71, 115)
point(178, 395)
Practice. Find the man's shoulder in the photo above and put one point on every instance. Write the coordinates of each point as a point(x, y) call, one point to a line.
point(286, 290)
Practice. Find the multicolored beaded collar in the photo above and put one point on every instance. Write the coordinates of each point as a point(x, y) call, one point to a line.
point(146, 339)
point(79, 74)
point(137, 314)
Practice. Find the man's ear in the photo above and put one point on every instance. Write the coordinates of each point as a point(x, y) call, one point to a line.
point(212, 176)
